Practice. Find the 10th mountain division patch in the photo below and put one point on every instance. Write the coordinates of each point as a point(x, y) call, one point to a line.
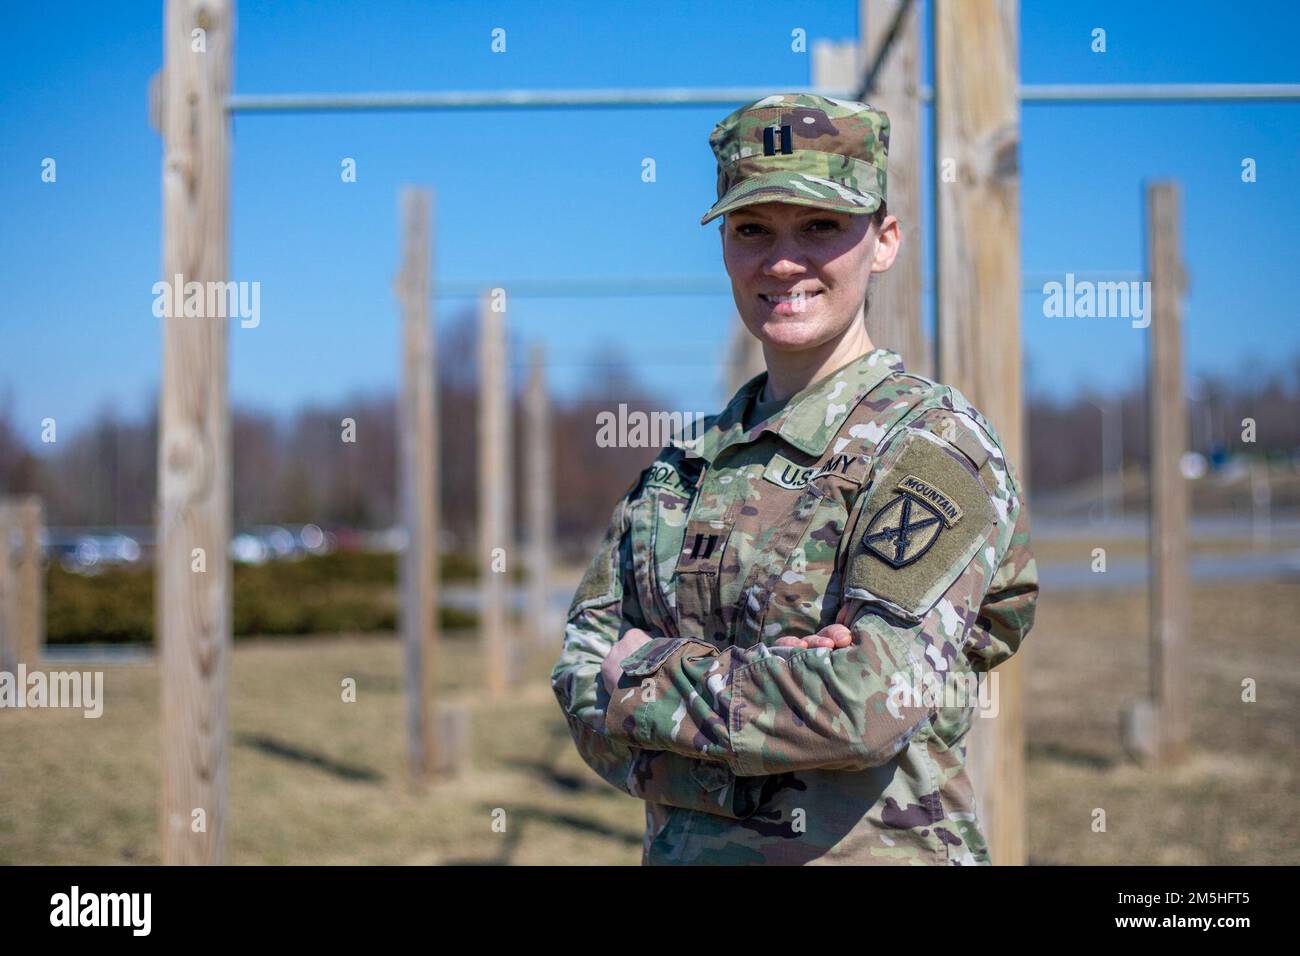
point(930, 513)
point(909, 522)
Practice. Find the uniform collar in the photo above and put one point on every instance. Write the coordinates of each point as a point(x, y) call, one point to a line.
point(808, 421)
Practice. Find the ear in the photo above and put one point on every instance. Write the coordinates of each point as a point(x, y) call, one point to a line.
point(889, 240)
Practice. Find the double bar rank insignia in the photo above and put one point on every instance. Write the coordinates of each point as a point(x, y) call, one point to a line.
point(906, 525)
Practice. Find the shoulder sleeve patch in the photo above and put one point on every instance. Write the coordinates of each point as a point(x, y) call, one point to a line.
point(924, 519)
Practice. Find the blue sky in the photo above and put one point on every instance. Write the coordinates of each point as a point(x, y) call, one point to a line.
point(558, 194)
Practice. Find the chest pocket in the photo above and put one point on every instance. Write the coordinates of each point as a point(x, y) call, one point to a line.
point(657, 521)
point(792, 585)
point(699, 569)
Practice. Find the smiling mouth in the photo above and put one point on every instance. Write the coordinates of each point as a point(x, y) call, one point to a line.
point(779, 299)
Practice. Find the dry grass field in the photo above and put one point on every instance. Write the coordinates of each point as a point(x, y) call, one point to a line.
point(317, 780)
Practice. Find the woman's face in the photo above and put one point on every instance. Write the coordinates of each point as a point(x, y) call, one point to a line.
point(799, 274)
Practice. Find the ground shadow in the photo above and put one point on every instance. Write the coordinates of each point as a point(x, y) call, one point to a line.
point(519, 818)
point(287, 751)
point(581, 824)
point(1058, 753)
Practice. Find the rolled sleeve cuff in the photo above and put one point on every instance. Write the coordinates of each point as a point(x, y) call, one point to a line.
point(647, 707)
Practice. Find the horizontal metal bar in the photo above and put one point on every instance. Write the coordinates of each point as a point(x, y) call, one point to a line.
point(585, 288)
point(1159, 93)
point(704, 286)
point(1093, 275)
point(491, 99)
point(1032, 94)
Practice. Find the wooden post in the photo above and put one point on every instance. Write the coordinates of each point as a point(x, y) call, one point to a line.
point(977, 189)
point(192, 568)
point(29, 617)
point(1167, 410)
point(418, 431)
point(834, 66)
point(541, 497)
point(8, 599)
point(495, 557)
point(1261, 497)
point(894, 319)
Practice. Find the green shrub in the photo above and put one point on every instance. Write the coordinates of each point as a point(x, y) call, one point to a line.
point(320, 594)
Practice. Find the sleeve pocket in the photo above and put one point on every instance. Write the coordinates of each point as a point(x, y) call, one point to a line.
point(647, 659)
point(601, 584)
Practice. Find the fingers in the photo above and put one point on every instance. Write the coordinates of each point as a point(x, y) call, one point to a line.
point(838, 635)
point(848, 610)
point(833, 636)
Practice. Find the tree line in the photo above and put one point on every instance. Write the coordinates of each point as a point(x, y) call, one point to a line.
point(298, 469)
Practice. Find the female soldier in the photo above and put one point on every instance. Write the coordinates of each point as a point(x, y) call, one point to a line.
point(760, 647)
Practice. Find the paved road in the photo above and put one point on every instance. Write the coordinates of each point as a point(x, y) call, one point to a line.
point(1122, 573)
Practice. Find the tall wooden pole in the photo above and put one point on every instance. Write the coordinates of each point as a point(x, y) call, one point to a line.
point(22, 591)
point(29, 578)
point(192, 568)
point(540, 491)
point(894, 318)
point(8, 599)
point(496, 559)
point(977, 189)
point(418, 431)
point(1167, 410)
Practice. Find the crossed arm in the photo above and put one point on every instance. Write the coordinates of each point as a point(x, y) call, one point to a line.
point(603, 610)
point(831, 700)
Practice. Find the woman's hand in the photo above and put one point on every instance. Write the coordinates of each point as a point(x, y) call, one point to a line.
point(834, 636)
point(611, 670)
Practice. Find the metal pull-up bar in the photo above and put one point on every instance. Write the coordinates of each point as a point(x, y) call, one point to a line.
point(1031, 94)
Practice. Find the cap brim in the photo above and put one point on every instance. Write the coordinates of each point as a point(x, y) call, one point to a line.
point(796, 189)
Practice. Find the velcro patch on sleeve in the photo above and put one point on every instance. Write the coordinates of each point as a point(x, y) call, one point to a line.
point(923, 522)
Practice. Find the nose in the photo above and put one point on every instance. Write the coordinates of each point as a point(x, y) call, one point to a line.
point(784, 260)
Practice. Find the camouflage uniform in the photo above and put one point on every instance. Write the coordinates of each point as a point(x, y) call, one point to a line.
point(874, 497)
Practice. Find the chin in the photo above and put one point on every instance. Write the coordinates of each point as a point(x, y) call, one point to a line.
point(792, 335)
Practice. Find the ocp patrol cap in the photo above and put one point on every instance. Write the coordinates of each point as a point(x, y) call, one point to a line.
point(804, 149)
